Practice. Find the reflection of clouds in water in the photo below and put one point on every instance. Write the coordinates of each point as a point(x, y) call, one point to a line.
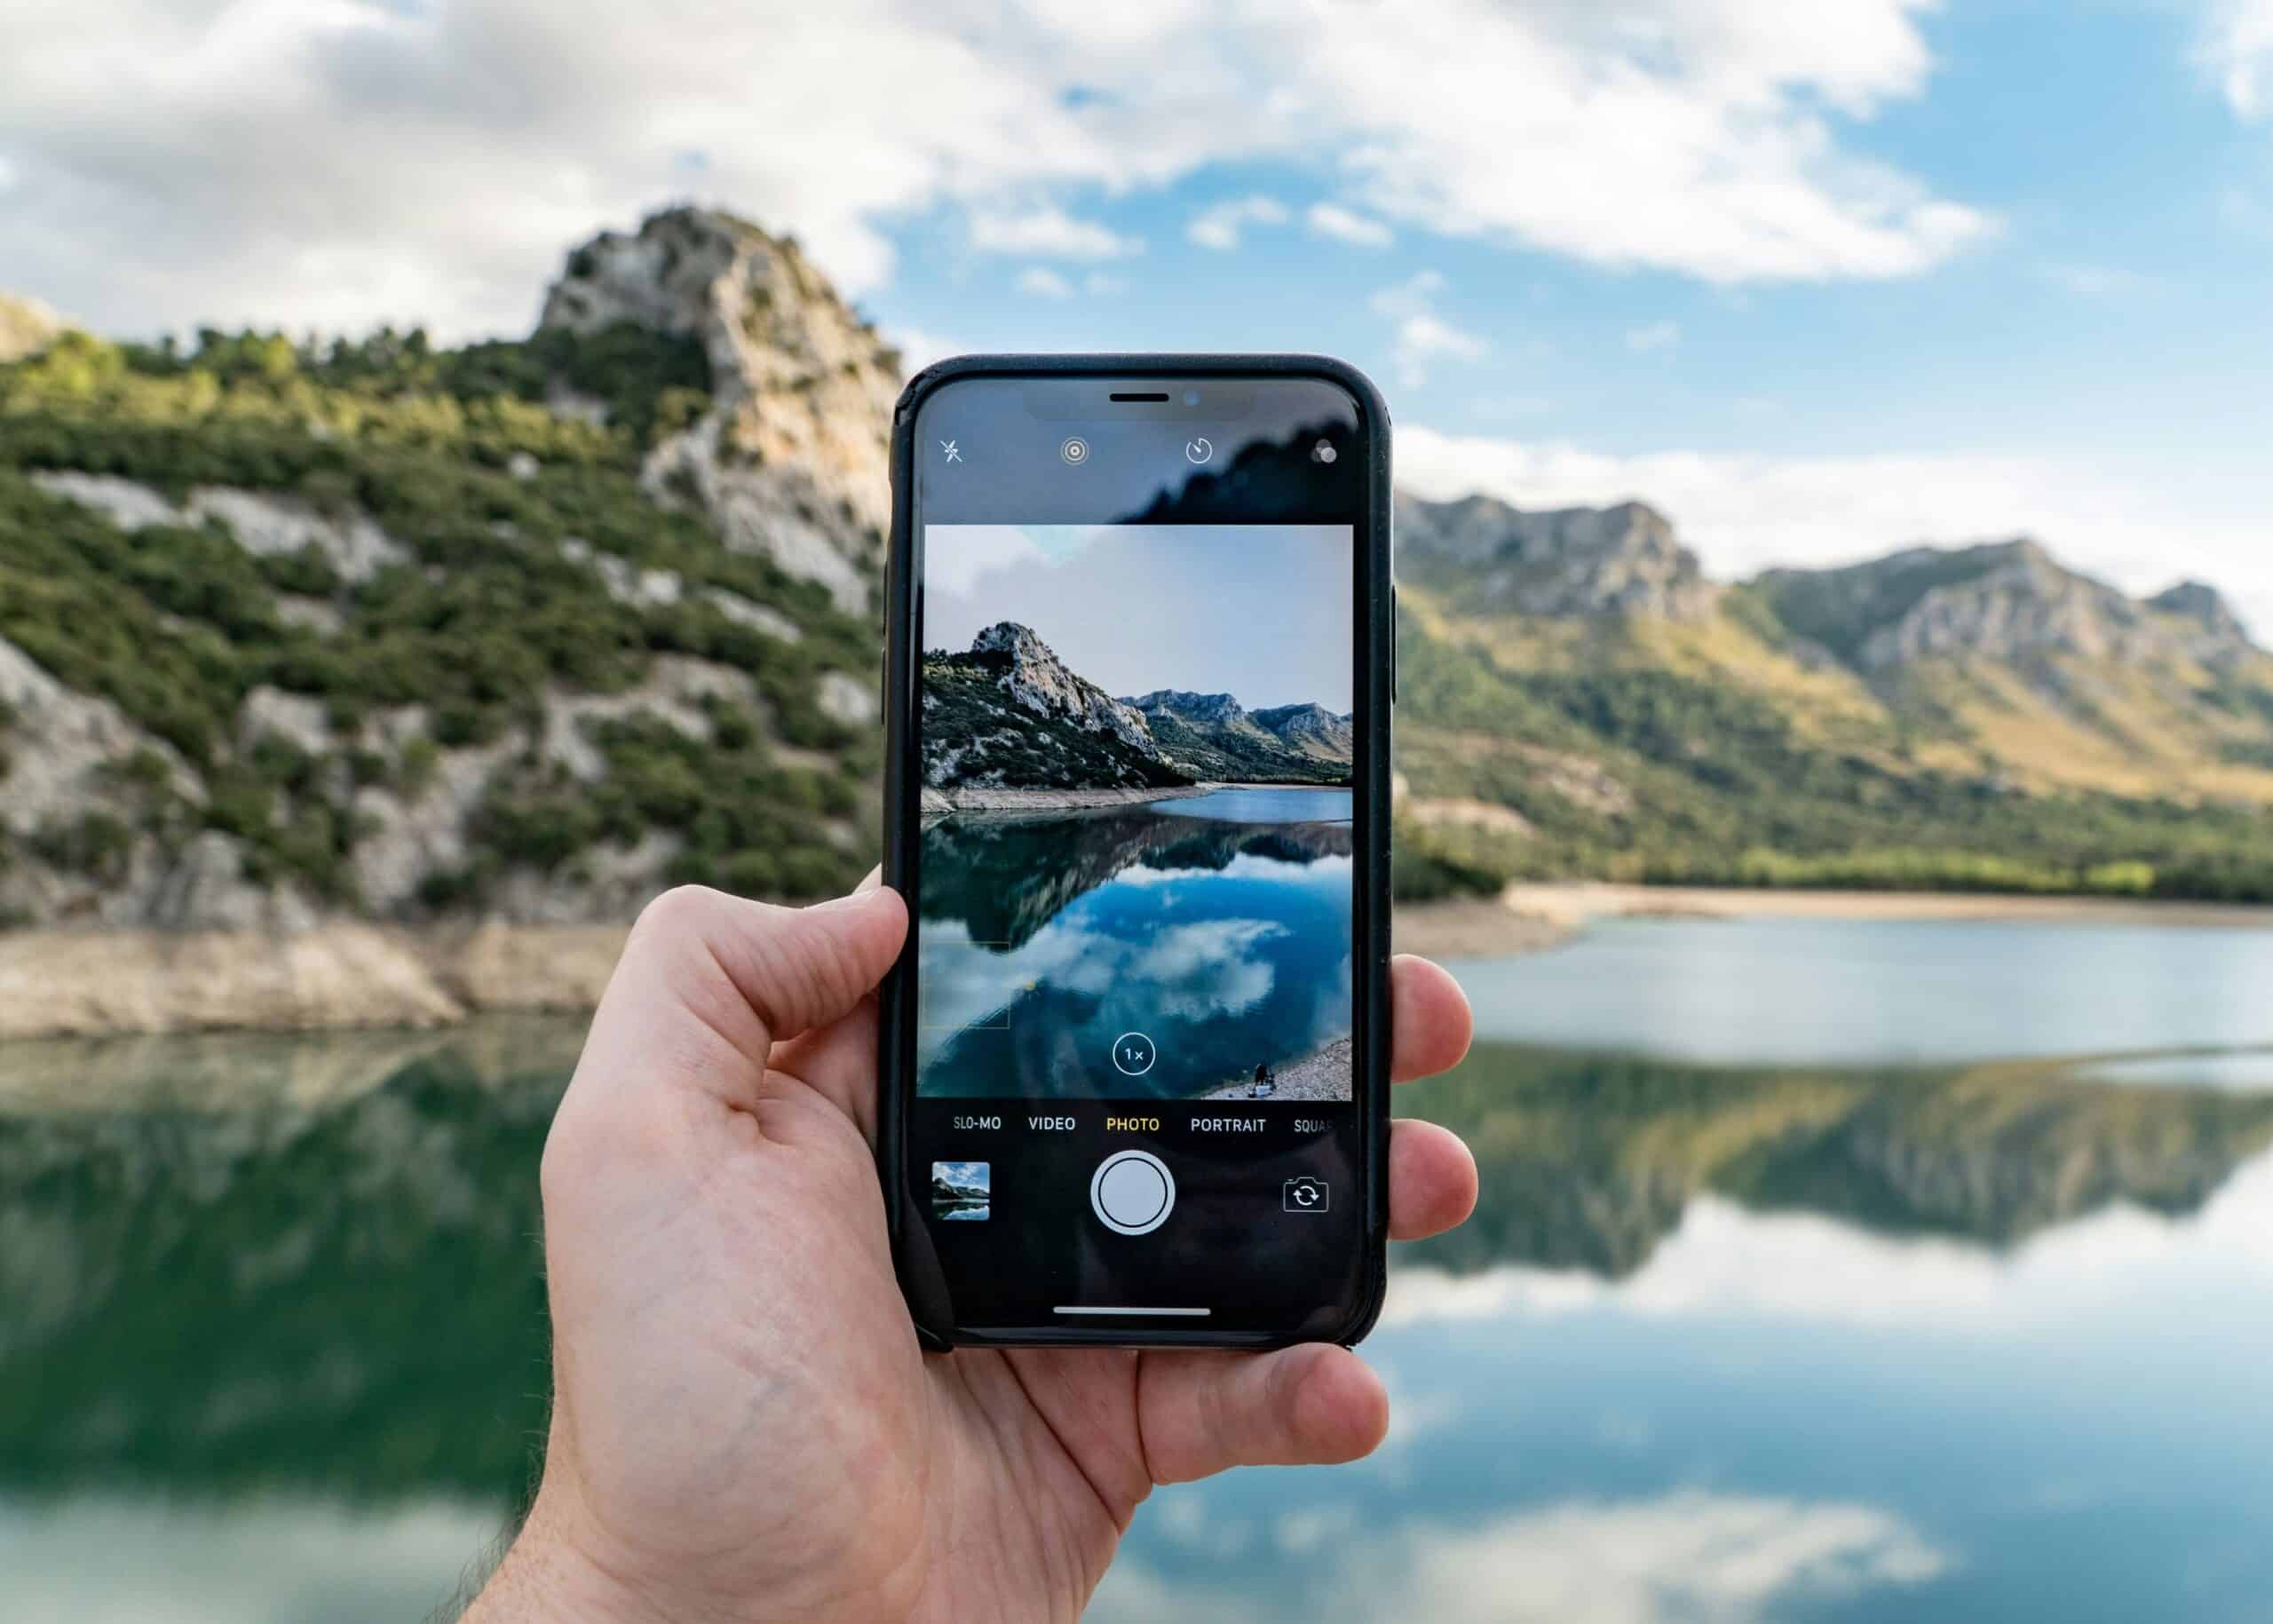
point(1328, 873)
point(1684, 1556)
point(1201, 971)
point(1209, 968)
point(252, 1563)
point(2122, 1263)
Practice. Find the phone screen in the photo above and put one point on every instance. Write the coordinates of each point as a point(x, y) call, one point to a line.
point(1137, 747)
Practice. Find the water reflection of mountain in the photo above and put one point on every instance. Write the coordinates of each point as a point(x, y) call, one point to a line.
point(1005, 876)
point(337, 1291)
point(343, 1295)
point(1589, 1160)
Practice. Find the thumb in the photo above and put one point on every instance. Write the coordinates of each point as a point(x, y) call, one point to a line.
point(708, 983)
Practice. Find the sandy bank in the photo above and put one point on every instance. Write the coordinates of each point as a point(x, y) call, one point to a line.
point(939, 804)
point(942, 803)
point(75, 983)
point(1475, 928)
point(1570, 904)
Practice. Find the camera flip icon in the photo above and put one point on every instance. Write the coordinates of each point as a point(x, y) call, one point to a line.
point(1303, 1193)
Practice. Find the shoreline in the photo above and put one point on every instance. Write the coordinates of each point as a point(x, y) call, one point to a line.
point(1323, 1074)
point(340, 975)
point(937, 803)
point(1574, 904)
point(347, 975)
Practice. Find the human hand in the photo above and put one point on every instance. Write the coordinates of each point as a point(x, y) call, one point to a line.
point(743, 1425)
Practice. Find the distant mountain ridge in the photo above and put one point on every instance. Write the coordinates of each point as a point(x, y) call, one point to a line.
point(1978, 715)
point(2005, 601)
point(1216, 730)
point(528, 629)
point(1009, 714)
point(1622, 559)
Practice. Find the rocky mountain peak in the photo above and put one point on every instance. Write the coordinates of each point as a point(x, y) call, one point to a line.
point(1034, 676)
point(26, 327)
point(792, 460)
point(1310, 728)
point(2206, 606)
point(2008, 600)
point(1202, 709)
point(1619, 560)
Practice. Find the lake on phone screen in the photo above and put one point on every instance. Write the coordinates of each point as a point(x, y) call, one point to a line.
point(1216, 924)
point(1825, 1270)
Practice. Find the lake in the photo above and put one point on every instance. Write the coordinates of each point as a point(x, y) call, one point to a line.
point(1778, 1306)
point(1215, 925)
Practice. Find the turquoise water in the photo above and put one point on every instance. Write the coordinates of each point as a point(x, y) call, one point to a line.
point(1262, 805)
point(1863, 992)
point(1843, 1334)
point(1217, 926)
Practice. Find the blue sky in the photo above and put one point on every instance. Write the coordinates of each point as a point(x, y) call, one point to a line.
point(1818, 277)
point(1259, 612)
point(2124, 300)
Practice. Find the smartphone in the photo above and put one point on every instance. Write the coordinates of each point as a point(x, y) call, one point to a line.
point(1139, 666)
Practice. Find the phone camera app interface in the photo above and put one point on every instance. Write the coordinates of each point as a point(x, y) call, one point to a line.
point(1136, 754)
point(1135, 872)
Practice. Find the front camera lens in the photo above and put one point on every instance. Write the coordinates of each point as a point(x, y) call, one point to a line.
point(1075, 451)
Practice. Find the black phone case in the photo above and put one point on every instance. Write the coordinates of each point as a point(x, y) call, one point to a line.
point(1372, 691)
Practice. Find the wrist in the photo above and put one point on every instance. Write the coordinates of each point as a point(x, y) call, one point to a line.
point(548, 1574)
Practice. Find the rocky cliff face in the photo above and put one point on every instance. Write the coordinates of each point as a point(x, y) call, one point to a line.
point(1199, 710)
point(1034, 676)
point(414, 647)
point(1621, 561)
point(2214, 633)
point(2007, 601)
point(792, 459)
point(1312, 729)
point(1008, 714)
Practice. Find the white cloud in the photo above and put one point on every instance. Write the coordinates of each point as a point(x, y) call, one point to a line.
point(2237, 50)
point(1422, 335)
point(1347, 226)
point(1051, 234)
point(1744, 511)
point(1675, 136)
point(1654, 336)
point(1677, 1559)
point(340, 162)
point(2121, 1262)
point(265, 1560)
point(1219, 227)
point(1043, 282)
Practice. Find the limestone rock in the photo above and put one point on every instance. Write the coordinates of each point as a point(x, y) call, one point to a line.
point(1621, 561)
point(262, 523)
point(1036, 679)
point(792, 460)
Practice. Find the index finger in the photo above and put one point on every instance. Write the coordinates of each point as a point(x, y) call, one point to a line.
point(1429, 1020)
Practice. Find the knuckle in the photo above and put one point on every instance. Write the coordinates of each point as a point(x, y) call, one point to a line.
point(679, 911)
